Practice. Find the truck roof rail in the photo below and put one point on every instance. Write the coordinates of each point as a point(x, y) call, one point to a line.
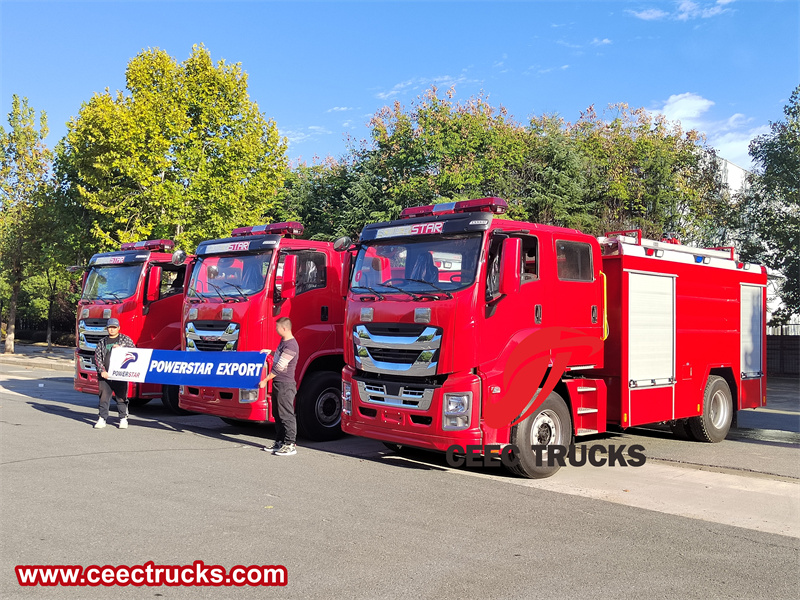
point(657, 248)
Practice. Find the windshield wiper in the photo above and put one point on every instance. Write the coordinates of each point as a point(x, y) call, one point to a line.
point(363, 287)
point(238, 289)
point(436, 287)
point(218, 290)
point(394, 287)
point(112, 294)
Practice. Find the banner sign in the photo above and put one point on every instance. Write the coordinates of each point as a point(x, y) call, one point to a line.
point(201, 369)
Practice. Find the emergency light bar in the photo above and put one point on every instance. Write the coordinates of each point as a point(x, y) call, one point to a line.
point(494, 205)
point(164, 245)
point(287, 228)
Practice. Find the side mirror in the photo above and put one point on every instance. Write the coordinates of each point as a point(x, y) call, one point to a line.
point(347, 261)
point(153, 284)
point(289, 283)
point(178, 257)
point(342, 244)
point(510, 262)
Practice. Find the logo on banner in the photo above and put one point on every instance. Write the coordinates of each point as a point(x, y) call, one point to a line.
point(130, 357)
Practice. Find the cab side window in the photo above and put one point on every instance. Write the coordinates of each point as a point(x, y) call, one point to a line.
point(574, 261)
point(172, 279)
point(311, 271)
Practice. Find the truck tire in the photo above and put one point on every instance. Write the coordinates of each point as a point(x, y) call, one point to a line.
point(550, 424)
point(169, 398)
point(715, 422)
point(319, 406)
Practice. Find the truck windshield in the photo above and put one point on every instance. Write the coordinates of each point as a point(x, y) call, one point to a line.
point(229, 276)
point(422, 265)
point(111, 283)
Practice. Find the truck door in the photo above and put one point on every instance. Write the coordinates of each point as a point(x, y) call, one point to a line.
point(752, 349)
point(504, 316)
point(577, 287)
point(310, 309)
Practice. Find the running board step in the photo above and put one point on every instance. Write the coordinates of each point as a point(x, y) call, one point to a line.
point(586, 411)
point(586, 431)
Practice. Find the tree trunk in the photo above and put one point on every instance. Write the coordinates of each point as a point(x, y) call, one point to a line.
point(50, 324)
point(12, 318)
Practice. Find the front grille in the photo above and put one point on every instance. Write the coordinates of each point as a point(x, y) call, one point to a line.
point(95, 322)
point(92, 338)
point(400, 349)
point(212, 336)
point(394, 355)
point(203, 346)
point(396, 329)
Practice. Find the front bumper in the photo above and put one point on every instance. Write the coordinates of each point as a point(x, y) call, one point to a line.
point(224, 402)
point(417, 424)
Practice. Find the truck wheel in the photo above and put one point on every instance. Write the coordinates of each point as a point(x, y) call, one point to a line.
point(138, 401)
point(551, 424)
point(715, 422)
point(169, 398)
point(319, 406)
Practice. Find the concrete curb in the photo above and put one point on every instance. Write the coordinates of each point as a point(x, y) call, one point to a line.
point(29, 359)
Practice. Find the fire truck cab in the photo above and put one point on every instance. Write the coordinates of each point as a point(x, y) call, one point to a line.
point(239, 287)
point(142, 288)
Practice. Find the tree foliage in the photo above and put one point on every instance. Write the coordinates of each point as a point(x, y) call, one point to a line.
point(769, 209)
point(24, 174)
point(627, 170)
point(184, 154)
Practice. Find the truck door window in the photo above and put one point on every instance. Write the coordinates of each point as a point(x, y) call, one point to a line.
point(311, 271)
point(529, 267)
point(574, 261)
point(530, 258)
point(171, 280)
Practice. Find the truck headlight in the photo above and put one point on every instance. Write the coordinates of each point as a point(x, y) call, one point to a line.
point(457, 409)
point(347, 398)
point(248, 395)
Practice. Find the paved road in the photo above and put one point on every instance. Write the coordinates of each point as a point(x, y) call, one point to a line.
point(350, 519)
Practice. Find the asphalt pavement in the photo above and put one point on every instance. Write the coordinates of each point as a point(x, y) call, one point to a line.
point(350, 519)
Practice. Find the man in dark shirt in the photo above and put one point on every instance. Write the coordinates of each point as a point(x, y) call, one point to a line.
point(102, 358)
point(284, 390)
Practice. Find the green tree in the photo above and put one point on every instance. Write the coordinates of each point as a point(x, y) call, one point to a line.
point(769, 209)
point(646, 173)
point(184, 154)
point(24, 174)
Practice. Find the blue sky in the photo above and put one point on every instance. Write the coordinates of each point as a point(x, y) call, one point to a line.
point(321, 69)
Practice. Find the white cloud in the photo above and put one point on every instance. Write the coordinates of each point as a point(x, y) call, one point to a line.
point(686, 10)
point(339, 109)
point(420, 83)
point(298, 136)
point(599, 42)
point(651, 14)
point(686, 108)
point(730, 136)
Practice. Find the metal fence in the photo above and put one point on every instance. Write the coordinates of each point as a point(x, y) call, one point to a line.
point(783, 355)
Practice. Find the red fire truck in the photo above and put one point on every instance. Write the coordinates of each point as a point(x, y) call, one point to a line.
point(626, 331)
point(239, 287)
point(140, 286)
